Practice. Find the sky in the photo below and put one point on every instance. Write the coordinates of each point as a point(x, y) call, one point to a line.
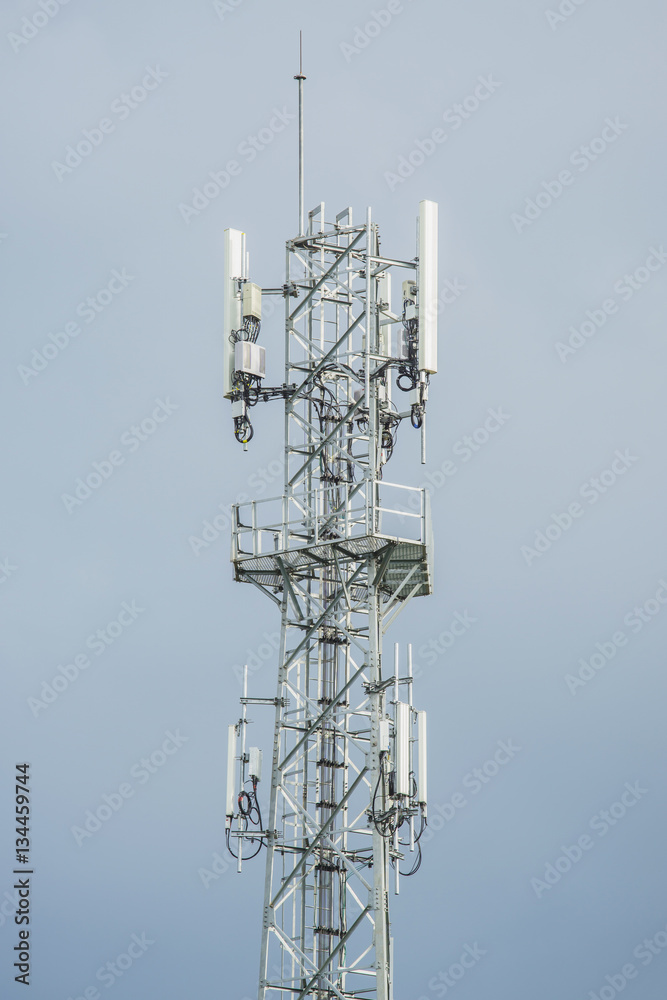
point(135, 134)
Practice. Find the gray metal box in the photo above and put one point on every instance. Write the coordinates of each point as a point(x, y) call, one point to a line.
point(250, 358)
point(252, 300)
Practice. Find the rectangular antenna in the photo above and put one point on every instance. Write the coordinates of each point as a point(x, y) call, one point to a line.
point(231, 764)
point(234, 270)
point(255, 763)
point(384, 309)
point(402, 748)
point(421, 759)
point(428, 286)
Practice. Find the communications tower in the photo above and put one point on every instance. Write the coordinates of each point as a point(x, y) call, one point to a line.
point(340, 553)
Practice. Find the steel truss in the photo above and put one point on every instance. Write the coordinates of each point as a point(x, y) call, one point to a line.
point(341, 552)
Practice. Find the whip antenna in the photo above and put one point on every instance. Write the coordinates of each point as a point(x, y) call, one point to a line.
point(300, 77)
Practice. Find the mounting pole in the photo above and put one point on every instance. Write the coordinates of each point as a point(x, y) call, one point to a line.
point(300, 77)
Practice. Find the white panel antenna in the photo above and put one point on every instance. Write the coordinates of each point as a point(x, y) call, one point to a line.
point(402, 748)
point(231, 767)
point(422, 790)
point(249, 358)
point(384, 311)
point(428, 287)
point(255, 763)
point(234, 273)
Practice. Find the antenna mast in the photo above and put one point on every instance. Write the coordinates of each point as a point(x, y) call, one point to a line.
point(300, 77)
point(340, 553)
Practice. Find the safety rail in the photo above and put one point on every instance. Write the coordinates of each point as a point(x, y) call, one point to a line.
point(331, 513)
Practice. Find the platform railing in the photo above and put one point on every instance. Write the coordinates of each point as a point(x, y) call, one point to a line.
point(329, 513)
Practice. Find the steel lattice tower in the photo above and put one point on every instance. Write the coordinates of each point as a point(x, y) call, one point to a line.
point(340, 553)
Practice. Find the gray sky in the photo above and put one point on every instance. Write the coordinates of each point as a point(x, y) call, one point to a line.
point(549, 533)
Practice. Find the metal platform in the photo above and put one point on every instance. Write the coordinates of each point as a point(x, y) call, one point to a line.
point(346, 524)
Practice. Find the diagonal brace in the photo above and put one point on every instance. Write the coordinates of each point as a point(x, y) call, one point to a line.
point(321, 717)
point(320, 972)
point(326, 275)
point(318, 837)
